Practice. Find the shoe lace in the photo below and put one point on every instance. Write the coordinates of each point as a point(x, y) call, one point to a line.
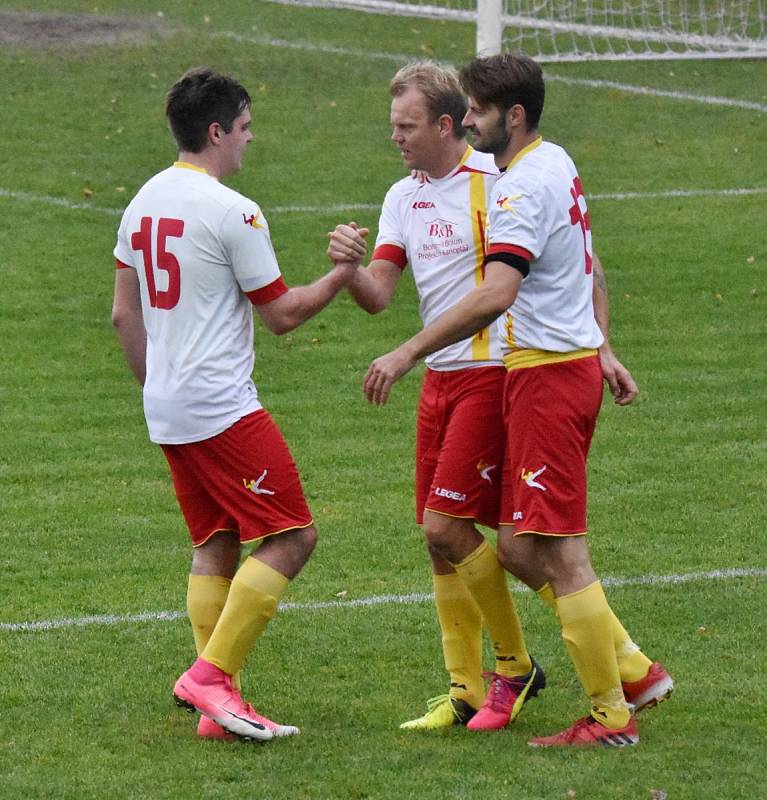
point(502, 690)
point(579, 725)
point(436, 702)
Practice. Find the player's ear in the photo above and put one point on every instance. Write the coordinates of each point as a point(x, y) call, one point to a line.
point(516, 117)
point(445, 124)
point(215, 132)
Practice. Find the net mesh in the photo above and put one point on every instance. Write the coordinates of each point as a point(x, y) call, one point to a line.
point(578, 30)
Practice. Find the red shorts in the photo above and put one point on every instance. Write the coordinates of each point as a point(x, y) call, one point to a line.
point(550, 412)
point(243, 480)
point(459, 444)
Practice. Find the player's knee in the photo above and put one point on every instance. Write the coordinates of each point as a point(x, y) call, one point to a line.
point(306, 540)
point(442, 533)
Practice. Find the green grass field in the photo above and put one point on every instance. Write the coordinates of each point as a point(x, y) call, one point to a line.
point(90, 528)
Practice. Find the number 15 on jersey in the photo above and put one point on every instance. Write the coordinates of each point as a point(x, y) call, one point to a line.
point(166, 261)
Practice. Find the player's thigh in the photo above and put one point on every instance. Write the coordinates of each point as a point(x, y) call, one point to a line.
point(551, 413)
point(467, 478)
point(204, 516)
point(251, 473)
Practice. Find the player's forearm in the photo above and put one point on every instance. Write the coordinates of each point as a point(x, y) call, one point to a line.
point(368, 292)
point(599, 298)
point(475, 312)
point(303, 302)
point(132, 337)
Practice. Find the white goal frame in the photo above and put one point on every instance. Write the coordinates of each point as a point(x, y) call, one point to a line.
point(585, 30)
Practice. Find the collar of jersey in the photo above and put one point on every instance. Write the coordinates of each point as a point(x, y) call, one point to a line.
point(187, 165)
point(524, 151)
point(453, 172)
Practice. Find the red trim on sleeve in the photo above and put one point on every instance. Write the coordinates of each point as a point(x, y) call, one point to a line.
point(266, 294)
point(391, 252)
point(508, 248)
point(120, 265)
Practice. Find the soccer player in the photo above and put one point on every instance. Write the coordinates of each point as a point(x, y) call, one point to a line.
point(539, 277)
point(192, 256)
point(437, 225)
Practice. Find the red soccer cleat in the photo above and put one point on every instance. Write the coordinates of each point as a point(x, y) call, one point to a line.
point(587, 732)
point(647, 692)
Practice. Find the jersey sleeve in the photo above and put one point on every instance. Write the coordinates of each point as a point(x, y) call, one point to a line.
point(390, 242)
point(123, 251)
point(516, 219)
point(245, 236)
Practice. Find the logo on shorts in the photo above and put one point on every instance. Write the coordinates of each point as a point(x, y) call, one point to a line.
point(529, 477)
point(450, 494)
point(517, 516)
point(484, 470)
point(255, 486)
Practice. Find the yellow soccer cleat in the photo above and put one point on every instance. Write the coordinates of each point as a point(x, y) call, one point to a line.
point(441, 712)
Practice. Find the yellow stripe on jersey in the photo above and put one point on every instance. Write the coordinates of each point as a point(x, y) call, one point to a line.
point(529, 357)
point(480, 343)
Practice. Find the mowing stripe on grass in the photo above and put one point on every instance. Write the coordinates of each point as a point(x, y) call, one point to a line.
point(61, 202)
point(403, 58)
point(376, 600)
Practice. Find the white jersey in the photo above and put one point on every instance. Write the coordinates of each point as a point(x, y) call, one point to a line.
point(439, 228)
point(196, 246)
point(538, 210)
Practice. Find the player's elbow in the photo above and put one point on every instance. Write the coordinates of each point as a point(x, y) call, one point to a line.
point(280, 325)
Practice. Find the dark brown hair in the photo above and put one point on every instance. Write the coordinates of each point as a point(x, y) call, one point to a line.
point(199, 98)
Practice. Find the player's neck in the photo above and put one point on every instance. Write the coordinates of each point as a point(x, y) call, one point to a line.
point(517, 144)
point(448, 159)
point(202, 161)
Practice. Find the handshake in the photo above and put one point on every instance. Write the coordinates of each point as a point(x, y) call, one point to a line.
point(347, 246)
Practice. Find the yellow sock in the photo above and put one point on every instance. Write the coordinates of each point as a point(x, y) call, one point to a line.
point(461, 624)
point(633, 664)
point(252, 602)
point(546, 593)
point(205, 599)
point(485, 578)
point(586, 621)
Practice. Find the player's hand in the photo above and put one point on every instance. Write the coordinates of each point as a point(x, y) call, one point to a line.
point(384, 372)
point(622, 385)
point(347, 244)
point(419, 175)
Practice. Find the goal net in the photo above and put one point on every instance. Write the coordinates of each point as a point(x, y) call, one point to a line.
point(580, 30)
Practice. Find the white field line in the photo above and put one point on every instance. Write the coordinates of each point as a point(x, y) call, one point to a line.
point(708, 100)
point(61, 202)
point(375, 600)
point(402, 58)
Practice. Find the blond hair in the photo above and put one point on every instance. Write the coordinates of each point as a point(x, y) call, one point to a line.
point(440, 87)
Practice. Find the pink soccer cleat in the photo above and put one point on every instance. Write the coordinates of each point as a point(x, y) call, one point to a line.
point(219, 701)
point(505, 698)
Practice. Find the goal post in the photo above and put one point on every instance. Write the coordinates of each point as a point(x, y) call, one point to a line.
point(587, 30)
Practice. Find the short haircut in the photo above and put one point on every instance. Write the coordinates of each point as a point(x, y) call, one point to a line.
point(199, 98)
point(439, 85)
point(505, 81)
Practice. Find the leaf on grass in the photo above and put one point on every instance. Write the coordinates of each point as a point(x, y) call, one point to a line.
point(750, 259)
point(87, 191)
point(702, 630)
point(658, 794)
point(341, 594)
